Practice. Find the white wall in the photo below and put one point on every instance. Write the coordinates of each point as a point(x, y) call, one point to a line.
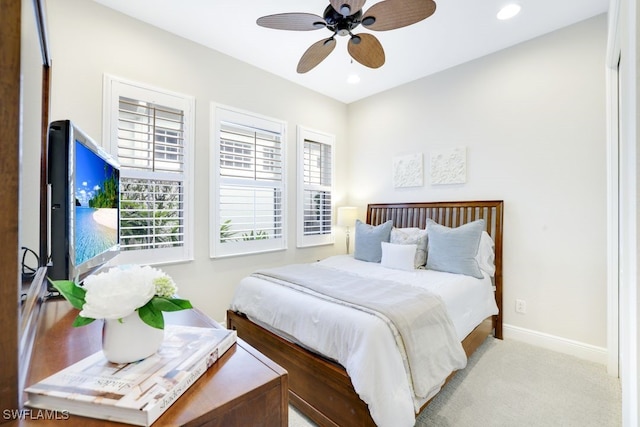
point(88, 40)
point(533, 121)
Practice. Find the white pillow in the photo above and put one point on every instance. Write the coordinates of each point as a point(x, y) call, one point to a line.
point(486, 254)
point(397, 256)
point(412, 235)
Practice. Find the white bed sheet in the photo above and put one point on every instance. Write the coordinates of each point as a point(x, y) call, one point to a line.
point(361, 343)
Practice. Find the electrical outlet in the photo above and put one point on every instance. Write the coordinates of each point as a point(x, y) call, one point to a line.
point(521, 306)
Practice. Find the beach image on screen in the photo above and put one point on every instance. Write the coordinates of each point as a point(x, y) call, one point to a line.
point(96, 205)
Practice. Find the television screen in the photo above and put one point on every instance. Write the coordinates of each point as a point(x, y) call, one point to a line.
point(84, 203)
point(96, 204)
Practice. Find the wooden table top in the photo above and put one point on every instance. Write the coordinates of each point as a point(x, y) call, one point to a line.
point(240, 372)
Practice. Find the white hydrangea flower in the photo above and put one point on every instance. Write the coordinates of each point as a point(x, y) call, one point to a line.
point(118, 292)
point(165, 286)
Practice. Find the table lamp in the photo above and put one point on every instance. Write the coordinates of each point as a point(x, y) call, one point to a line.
point(347, 216)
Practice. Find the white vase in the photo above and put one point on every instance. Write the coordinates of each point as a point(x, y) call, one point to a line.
point(129, 339)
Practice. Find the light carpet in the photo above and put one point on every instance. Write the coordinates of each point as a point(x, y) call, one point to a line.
point(512, 384)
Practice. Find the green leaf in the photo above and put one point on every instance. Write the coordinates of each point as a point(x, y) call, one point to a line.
point(170, 304)
point(151, 315)
point(82, 321)
point(70, 291)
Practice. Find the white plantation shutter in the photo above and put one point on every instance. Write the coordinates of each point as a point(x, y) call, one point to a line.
point(150, 137)
point(150, 132)
point(315, 188)
point(248, 203)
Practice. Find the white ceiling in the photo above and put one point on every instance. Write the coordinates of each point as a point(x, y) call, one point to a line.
point(459, 31)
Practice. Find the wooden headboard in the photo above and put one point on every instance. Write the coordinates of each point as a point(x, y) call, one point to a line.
point(450, 214)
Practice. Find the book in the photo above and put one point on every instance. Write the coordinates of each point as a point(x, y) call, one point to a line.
point(133, 393)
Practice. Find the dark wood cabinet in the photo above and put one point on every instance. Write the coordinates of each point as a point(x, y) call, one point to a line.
point(243, 388)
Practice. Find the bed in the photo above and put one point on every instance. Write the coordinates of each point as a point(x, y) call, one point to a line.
point(319, 386)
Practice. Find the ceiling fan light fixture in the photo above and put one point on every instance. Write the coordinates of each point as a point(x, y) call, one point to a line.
point(369, 20)
point(509, 11)
point(345, 10)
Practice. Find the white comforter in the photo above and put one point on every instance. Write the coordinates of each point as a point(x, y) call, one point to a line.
point(362, 343)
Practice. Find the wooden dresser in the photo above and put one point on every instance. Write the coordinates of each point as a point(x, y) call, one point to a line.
point(243, 388)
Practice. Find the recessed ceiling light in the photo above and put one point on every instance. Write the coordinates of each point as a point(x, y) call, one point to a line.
point(509, 11)
point(353, 79)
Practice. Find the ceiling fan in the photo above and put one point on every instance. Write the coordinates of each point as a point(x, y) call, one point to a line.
point(341, 17)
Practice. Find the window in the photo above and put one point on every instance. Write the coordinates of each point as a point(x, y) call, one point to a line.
point(315, 188)
point(248, 204)
point(151, 133)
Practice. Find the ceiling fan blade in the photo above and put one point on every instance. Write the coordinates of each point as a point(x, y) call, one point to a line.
point(316, 53)
point(352, 5)
point(392, 14)
point(368, 51)
point(292, 21)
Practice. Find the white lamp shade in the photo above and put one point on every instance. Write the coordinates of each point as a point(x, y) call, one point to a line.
point(347, 216)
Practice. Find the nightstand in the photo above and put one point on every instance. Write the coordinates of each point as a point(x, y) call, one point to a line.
point(243, 387)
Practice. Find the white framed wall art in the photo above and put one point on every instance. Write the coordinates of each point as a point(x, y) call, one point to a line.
point(408, 171)
point(448, 166)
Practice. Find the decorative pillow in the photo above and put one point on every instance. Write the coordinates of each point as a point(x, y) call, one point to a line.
point(454, 249)
point(368, 240)
point(398, 256)
point(412, 236)
point(486, 254)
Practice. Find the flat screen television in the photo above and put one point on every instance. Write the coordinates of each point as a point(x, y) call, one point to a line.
point(84, 204)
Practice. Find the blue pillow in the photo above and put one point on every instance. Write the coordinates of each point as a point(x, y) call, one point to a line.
point(454, 250)
point(369, 240)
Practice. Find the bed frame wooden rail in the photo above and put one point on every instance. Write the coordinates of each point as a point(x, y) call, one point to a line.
point(321, 389)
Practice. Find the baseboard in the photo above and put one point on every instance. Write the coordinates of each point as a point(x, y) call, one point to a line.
point(562, 345)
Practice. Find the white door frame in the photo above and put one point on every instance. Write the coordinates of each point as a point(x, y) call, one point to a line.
point(613, 221)
point(622, 203)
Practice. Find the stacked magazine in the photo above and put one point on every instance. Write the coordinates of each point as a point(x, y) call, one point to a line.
point(134, 393)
